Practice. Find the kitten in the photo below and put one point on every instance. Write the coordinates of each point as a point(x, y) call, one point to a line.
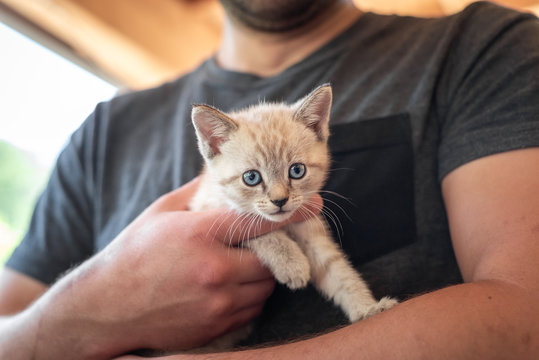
point(268, 160)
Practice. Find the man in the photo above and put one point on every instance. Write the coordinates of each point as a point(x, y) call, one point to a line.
point(434, 141)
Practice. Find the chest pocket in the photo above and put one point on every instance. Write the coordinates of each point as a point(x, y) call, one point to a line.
point(373, 169)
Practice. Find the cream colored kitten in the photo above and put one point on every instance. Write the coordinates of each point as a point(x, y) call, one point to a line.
point(268, 160)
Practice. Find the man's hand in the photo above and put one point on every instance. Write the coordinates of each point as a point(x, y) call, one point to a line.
point(170, 280)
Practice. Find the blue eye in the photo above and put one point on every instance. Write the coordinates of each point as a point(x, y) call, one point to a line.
point(252, 178)
point(297, 171)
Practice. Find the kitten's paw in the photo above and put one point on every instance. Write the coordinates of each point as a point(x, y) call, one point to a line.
point(364, 312)
point(294, 274)
point(384, 304)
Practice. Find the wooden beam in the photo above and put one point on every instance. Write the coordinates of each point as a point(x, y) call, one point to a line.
point(178, 32)
point(101, 43)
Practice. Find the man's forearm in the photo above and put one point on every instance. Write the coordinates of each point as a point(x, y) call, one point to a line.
point(58, 325)
point(483, 320)
point(17, 337)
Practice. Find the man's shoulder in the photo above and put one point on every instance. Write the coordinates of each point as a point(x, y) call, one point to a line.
point(478, 16)
point(483, 16)
point(164, 94)
point(146, 108)
point(489, 9)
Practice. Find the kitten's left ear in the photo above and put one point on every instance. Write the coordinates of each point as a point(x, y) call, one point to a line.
point(213, 128)
point(314, 111)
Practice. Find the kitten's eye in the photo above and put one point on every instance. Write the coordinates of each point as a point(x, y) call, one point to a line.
point(252, 178)
point(296, 171)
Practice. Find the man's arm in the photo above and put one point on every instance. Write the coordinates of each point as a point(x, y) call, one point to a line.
point(164, 269)
point(17, 291)
point(493, 211)
point(168, 281)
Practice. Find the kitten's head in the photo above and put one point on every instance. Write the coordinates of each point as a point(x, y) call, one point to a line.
point(268, 159)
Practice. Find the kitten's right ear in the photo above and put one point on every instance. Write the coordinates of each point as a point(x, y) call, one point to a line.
point(213, 128)
point(314, 111)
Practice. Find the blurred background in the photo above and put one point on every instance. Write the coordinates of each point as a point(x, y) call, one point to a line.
point(59, 58)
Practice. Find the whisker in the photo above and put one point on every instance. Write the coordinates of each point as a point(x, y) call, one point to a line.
point(312, 215)
point(340, 169)
point(334, 202)
point(338, 195)
point(308, 215)
point(231, 231)
point(259, 220)
point(242, 225)
point(256, 226)
point(339, 207)
point(223, 220)
point(247, 231)
point(336, 222)
point(317, 218)
point(333, 218)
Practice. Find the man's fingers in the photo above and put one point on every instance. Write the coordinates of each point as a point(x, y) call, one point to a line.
point(232, 229)
point(253, 294)
point(245, 316)
point(245, 266)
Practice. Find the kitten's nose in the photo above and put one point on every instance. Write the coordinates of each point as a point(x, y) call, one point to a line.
point(280, 202)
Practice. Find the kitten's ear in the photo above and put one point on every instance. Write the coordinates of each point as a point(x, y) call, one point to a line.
point(314, 111)
point(213, 128)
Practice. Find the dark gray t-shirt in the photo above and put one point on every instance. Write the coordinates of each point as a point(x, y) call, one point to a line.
point(413, 99)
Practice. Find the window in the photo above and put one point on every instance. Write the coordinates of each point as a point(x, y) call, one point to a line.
point(43, 99)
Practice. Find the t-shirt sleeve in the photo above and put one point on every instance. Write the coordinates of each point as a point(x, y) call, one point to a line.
point(60, 232)
point(490, 98)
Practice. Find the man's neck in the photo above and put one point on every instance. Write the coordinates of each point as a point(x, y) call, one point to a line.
point(267, 54)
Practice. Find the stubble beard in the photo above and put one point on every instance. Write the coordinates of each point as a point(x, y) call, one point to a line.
point(274, 15)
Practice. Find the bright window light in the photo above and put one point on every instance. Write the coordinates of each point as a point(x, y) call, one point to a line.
point(43, 99)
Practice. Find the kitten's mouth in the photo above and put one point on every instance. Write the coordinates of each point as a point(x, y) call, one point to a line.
point(280, 212)
point(280, 215)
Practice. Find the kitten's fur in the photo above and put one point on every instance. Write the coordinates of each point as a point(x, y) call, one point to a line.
point(271, 139)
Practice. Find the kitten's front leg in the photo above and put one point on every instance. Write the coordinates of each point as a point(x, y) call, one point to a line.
point(333, 275)
point(283, 257)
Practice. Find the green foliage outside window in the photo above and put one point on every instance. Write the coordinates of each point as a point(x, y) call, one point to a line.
point(21, 181)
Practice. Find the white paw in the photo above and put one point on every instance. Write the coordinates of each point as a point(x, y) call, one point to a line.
point(362, 312)
point(384, 304)
point(294, 274)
